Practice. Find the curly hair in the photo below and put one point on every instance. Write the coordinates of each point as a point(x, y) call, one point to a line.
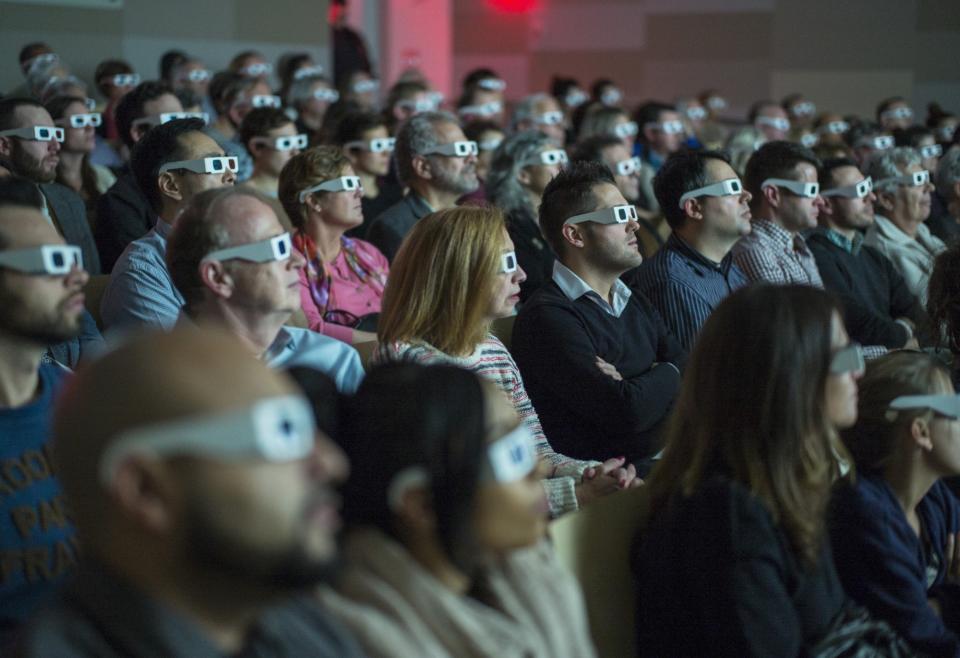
point(304, 170)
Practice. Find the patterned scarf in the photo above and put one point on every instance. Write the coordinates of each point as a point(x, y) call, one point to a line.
point(318, 274)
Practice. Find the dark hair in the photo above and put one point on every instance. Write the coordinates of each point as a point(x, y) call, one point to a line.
point(596, 89)
point(757, 107)
point(859, 130)
point(8, 107)
point(570, 193)
point(169, 61)
point(885, 104)
point(827, 167)
point(107, 69)
point(911, 136)
point(226, 87)
point(322, 393)
point(188, 97)
point(407, 415)
point(160, 145)
point(766, 426)
point(476, 75)
point(32, 49)
point(474, 130)
point(591, 148)
point(789, 100)
point(259, 121)
point(943, 298)
point(16, 191)
point(352, 125)
point(56, 106)
point(650, 112)
point(130, 107)
point(399, 92)
point(775, 159)
point(240, 56)
point(332, 118)
point(560, 85)
point(936, 114)
point(683, 171)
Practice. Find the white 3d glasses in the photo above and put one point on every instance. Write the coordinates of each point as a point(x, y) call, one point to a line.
point(460, 149)
point(324, 94)
point(365, 86)
point(629, 166)
point(728, 187)
point(492, 84)
point(855, 191)
point(211, 165)
point(804, 109)
point(945, 405)
point(916, 179)
point(611, 96)
point(125, 80)
point(931, 151)
point(878, 143)
point(35, 133)
point(307, 72)
point(279, 429)
point(93, 119)
point(341, 184)
point(554, 118)
point(627, 129)
point(265, 251)
point(575, 98)
point(667, 127)
point(614, 215)
point(489, 144)
point(848, 359)
point(484, 110)
point(285, 143)
point(196, 75)
point(777, 123)
point(834, 128)
point(265, 100)
point(378, 145)
point(508, 263)
point(696, 113)
point(164, 117)
point(808, 190)
point(256, 70)
point(551, 157)
point(898, 113)
point(55, 259)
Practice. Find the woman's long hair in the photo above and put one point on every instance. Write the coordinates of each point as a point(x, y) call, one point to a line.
point(441, 281)
point(752, 408)
point(56, 106)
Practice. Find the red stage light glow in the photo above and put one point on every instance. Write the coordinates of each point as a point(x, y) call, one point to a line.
point(513, 6)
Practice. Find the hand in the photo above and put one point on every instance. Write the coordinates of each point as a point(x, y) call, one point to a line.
point(605, 479)
point(951, 556)
point(609, 370)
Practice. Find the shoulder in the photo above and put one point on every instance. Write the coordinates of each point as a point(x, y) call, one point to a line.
point(368, 249)
point(399, 212)
point(307, 341)
point(864, 501)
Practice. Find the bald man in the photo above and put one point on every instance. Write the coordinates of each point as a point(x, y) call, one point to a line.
point(202, 491)
point(233, 262)
point(41, 302)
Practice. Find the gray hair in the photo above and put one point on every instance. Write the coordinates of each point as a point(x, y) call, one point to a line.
point(301, 90)
point(599, 120)
point(948, 173)
point(503, 188)
point(417, 134)
point(524, 109)
point(890, 164)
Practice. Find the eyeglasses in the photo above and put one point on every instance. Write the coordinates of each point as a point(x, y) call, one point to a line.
point(552, 157)
point(279, 429)
point(93, 119)
point(611, 96)
point(696, 113)
point(196, 75)
point(365, 86)
point(211, 165)
point(898, 113)
point(806, 108)
point(329, 95)
point(945, 405)
point(554, 118)
point(716, 103)
point(946, 133)
point(417, 106)
point(164, 117)
point(879, 143)
point(125, 80)
point(834, 128)
point(436, 99)
point(809, 140)
point(265, 100)
point(35, 133)
point(916, 179)
point(54, 259)
point(307, 72)
point(629, 166)
point(341, 317)
point(508, 263)
point(667, 127)
point(264, 251)
point(378, 145)
point(627, 129)
point(342, 184)
point(483, 110)
point(285, 143)
point(511, 457)
point(492, 84)
point(490, 144)
point(41, 60)
point(460, 149)
point(856, 191)
point(808, 190)
point(576, 98)
point(614, 215)
point(728, 187)
point(848, 359)
point(931, 151)
point(777, 123)
point(257, 70)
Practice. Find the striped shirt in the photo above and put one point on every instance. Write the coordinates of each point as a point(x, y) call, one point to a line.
point(685, 286)
point(774, 254)
point(491, 361)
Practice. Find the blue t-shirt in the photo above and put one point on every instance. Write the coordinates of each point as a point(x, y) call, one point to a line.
point(38, 545)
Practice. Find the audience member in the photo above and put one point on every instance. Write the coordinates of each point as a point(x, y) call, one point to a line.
point(878, 308)
point(123, 212)
point(606, 92)
point(115, 79)
point(404, 100)
point(732, 558)
point(894, 113)
point(488, 136)
point(942, 308)
point(427, 318)
point(894, 525)
point(272, 140)
point(522, 166)
point(251, 64)
point(41, 294)
point(484, 92)
point(361, 88)
point(830, 129)
point(866, 140)
point(540, 112)
point(311, 96)
point(237, 270)
point(234, 95)
point(903, 190)
point(171, 164)
point(29, 148)
point(203, 494)
point(785, 201)
point(770, 120)
point(600, 364)
point(601, 120)
point(707, 208)
point(191, 74)
point(445, 542)
point(438, 165)
point(946, 226)
point(341, 284)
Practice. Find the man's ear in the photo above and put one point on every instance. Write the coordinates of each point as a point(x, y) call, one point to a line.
point(415, 510)
point(6, 147)
point(169, 186)
point(920, 433)
point(523, 176)
point(771, 194)
point(145, 492)
point(215, 278)
point(885, 200)
point(693, 209)
point(573, 235)
point(422, 167)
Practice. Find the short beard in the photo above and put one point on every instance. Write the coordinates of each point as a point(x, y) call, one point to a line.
point(25, 167)
point(459, 185)
point(18, 320)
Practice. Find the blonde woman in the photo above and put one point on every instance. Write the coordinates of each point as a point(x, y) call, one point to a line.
point(455, 274)
point(343, 281)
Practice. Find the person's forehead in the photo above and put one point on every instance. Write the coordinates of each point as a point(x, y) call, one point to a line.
point(285, 130)
point(199, 145)
point(248, 219)
point(161, 104)
point(193, 65)
point(926, 140)
point(376, 132)
point(608, 195)
point(849, 175)
point(717, 170)
point(615, 153)
point(911, 168)
point(319, 84)
point(547, 104)
point(261, 88)
point(30, 115)
point(22, 227)
point(772, 111)
point(491, 134)
point(806, 172)
point(669, 115)
point(75, 107)
point(449, 132)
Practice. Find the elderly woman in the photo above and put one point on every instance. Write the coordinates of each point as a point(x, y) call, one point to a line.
point(343, 281)
point(903, 190)
point(522, 166)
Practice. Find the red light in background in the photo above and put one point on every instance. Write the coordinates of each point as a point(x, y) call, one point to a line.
point(513, 6)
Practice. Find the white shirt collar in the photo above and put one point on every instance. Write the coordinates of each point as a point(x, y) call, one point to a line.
point(574, 288)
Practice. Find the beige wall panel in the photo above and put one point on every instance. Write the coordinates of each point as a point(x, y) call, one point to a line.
point(844, 91)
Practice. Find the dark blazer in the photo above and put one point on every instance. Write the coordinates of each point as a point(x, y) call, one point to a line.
point(123, 215)
point(391, 227)
point(70, 217)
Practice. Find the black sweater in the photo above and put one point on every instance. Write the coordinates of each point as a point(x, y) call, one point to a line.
point(533, 253)
point(585, 413)
point(872, 292)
